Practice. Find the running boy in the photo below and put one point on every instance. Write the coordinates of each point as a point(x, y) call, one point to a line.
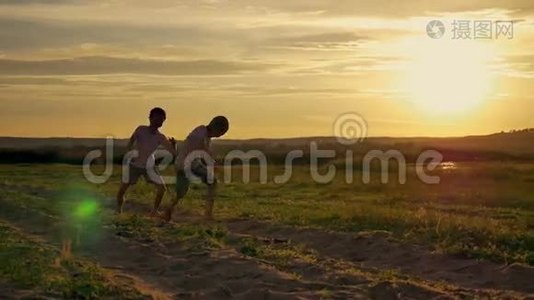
point(196, 158)
point(146, 140)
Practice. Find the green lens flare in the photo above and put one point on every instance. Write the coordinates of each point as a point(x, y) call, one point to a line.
point(86, 209)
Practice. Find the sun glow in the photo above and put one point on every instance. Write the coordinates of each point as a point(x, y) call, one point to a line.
point(449, 77)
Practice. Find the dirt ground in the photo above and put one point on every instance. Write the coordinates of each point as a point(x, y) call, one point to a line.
point(170, 270)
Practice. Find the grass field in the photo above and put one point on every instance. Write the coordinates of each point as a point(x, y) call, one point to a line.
point(300, 238)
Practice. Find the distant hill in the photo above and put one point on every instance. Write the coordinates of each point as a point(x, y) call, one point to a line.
point(517, 145)
point(518, 142)
point(39, 143)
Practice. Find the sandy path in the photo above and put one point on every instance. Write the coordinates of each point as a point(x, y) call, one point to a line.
point(379, 250)
point(8, 292)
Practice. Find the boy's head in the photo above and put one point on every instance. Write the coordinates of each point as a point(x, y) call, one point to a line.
point(218, 126)
point(157, 116)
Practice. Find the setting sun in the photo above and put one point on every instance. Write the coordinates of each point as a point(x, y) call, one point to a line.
point(449, 77)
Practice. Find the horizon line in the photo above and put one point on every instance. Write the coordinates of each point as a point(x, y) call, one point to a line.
point(277, 138)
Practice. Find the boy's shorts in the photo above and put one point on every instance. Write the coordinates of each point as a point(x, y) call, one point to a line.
point(135, 172)
point(200, 170)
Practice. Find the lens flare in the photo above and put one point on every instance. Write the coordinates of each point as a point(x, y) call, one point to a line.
point(85, 209)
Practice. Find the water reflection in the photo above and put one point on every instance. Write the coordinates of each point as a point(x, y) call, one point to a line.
point(448, 165)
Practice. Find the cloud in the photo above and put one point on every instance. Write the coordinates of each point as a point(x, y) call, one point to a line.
point(30, 34)
point(110, 65)
point(376, 8)
point(328, 37)
point(520, 66)
point(9, 81)
point(321, 41)
point(249, 90)
point(24, 2)
point(399, 9)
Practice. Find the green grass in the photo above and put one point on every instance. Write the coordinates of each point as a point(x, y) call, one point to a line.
point(480, 210)
point(31, 264)
point(194, 237)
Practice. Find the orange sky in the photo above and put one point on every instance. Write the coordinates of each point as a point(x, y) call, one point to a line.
point(275, 68)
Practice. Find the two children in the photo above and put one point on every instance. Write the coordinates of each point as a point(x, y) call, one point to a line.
point(195, 159)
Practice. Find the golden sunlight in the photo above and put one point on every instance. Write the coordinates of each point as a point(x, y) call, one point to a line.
point(449, 77)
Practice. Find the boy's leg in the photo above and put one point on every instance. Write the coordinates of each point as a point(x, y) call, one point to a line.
point(167, 215)
point(210, 200)
point(120, 196)
point(160, 191)
point(203, 172)
point(133, 176)
point(153, 176)
point(182, 186)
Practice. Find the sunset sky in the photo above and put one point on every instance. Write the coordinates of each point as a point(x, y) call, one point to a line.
point(276, 68)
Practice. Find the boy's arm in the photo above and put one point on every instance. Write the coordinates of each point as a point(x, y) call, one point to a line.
point(207, 149)
point(132, 140)
point(169, 145)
